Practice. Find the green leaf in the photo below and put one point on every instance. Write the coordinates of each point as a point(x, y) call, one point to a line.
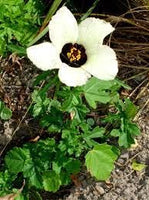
point(138, 166)
point(80, 112)
point(122, 84)
point(72, 142)
point(22, 197)
point(90, 121)
point(38, 161)
point(65, 178)
point(115, 133)
point(133, 129)
point(6, 179)
point(125, 140)
point(36, 97)
point(122, 121)
point(5, 113)
point(70, 102)
point(51, 181)
point(73, 166)
point(31, 171)
point(127, 133)
point(89, 136)
point(15, 159)
point(100, 161)
point(95, 91)
point(97, 132)
point(112, 118)
point(130, 109)
point(37, 109)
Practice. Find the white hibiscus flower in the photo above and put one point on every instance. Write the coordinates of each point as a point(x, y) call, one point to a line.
point(77, 50)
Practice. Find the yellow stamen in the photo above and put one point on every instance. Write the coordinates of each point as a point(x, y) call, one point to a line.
point(69, 55)
point(74, 54)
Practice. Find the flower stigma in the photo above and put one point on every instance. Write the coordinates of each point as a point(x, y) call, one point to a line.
point(73, 54)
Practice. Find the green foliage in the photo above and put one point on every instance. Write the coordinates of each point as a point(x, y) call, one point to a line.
point(5, 113)
point(19, 22)
point(6, 180)
point(138, 166)
point(42, 164)
point(15, 160)
point(51, 181)
point(23, 197)
point(90, 135)
point(100, 161)
point(125, 130)
point(101, 91)
point(74, 135)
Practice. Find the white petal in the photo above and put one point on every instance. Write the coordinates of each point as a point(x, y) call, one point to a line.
point(103, 64)
point(44, 56)
point(63, 28)
point(73, 76)
point(92, 32)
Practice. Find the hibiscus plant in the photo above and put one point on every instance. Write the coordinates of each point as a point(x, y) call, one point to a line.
point(78, 106)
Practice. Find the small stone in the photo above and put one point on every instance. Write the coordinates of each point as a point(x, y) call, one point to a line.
point(95, 192)
point(99, 189)
point(125, 155)
point(87, 189)
point(121, 161)
point(84, 183)
point(18, 83)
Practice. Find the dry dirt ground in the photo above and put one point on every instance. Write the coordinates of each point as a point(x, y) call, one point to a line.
point(125, 183)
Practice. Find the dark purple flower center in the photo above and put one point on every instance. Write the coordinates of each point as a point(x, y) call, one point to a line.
point(73, 55)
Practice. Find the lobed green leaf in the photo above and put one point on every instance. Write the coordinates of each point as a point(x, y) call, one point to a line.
point(51, 181)
point(100, 161)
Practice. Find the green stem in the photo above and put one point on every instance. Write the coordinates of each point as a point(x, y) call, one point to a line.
point(89, 11)
point(51, 12)
point(38, 37)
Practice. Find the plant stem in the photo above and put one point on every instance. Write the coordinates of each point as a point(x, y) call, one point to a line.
point(51, 12)
point(85, 15)
point(38, 37)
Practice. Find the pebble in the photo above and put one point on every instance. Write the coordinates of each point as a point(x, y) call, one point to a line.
point(125, 155)
point(99, 189)
point(18, 83)
point(121, 161)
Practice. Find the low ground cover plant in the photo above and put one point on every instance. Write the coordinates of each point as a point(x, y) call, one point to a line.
point(87, 122)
